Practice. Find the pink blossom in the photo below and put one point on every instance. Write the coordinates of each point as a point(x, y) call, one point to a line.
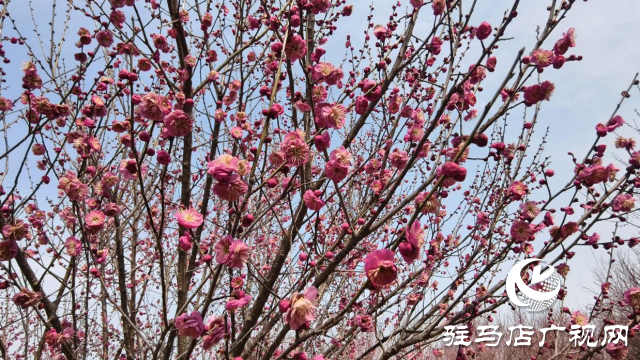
point(313, 201)
point(8, 250)
point(632, 297)
point(617, 351)
point(230, 252)
point(478, 73)
point(242, 301)
point(439, 6)
point(563, 269)
point(339, 165)
point(160, 42)
point(73, 246)
point(153, 107)
point(327, 73)
point(27, 298)
point(319, 94)
point(129, 169)
point(296, 48)
point(364, 322)
point(184, 242)
point(579, 318)
point(623, 203)
point(320, 6)
point(231, 190)
point(410, 249)
point(302, 309)
point(189, 218)
point(381, 32)
point(567, 41)
point(361, 105)
point(17, 230)
point(542, 58)
point(594, 174)
point(517, 190)
point(190, 325)
point(416, 3)
point(331, 116)
point(215, 330)
point(536, 93)
point(94, 221)
point(521, 231)
point(104, 38)
point(322, 141)
point(178, 123)
point(615, 123)
point(483, 31)
point(73, 187)
point(399, 158)
point(223, 168)
point(5, 104)
point(529, 210)
point(371, 90)
point(295, 149)
point(163, 157)
point(276, 158)
point(453, 171)
point(431, 206)
point(380, 267)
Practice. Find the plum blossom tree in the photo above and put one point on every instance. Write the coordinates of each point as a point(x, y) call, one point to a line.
point(235, 180)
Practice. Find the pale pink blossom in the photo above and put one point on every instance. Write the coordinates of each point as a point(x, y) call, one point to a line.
point(189, 218)
point(73, 246)
point(517, 190)
point(331, 115)
point(223, 168)
point(94, 221)
point(521, 231)
point(73, 187)
point(302, 309)
point(579, 318)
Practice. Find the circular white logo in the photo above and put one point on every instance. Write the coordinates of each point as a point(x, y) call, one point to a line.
point(541, 291)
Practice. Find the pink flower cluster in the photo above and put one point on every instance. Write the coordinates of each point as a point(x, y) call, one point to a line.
point(339, 164)
point(226, 170)
point(294, 149)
